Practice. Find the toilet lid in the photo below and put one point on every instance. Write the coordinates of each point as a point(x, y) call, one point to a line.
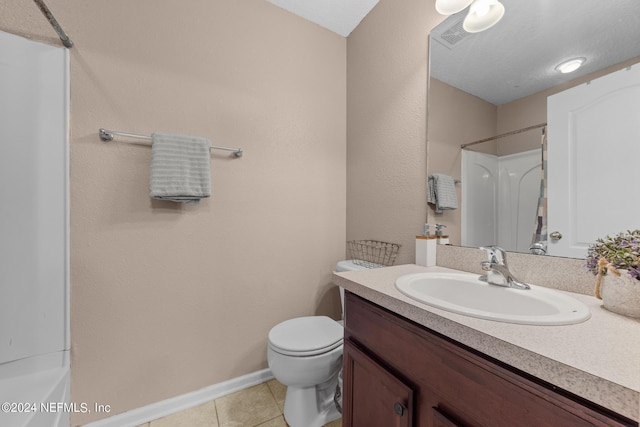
point(306, 335)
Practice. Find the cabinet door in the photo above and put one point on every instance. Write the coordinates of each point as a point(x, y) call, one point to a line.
point(441, 419)
point(372, 395)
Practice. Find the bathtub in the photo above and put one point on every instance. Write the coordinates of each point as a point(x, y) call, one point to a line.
point(34, 391)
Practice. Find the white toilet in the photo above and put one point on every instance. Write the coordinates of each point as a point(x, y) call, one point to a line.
point(305, 354)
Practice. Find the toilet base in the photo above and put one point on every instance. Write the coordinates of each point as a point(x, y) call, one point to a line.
point(311, 406)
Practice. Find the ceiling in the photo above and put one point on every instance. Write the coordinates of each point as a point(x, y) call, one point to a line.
point(517, 57)
point(339, 16)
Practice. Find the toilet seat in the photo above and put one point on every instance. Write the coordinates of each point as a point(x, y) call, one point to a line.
point(306, 336)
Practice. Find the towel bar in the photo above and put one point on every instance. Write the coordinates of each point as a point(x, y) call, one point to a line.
point(456, 181)
point(107, 135)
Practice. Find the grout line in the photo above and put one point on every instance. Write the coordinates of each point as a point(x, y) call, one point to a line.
point(264, 422)
point(215, 405)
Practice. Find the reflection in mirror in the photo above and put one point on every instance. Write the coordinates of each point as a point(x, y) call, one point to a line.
point(497, 82)
point(501, 189)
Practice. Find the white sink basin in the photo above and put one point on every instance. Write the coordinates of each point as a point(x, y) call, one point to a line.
point(465, 294)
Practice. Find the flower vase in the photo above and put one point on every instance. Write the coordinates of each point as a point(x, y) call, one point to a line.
point(621, 294)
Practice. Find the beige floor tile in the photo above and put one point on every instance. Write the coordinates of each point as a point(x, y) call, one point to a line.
point(336, 423)
point(247, 408)
point(199, 416)
point(144, 425)
point(276, 422)
point(279, 392)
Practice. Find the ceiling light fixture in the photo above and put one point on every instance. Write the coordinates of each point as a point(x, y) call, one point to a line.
point(571, 65)
point(483, 14)
point(449, 7)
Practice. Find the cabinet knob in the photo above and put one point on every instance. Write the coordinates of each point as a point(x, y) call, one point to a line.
point(399, 408)
point(556, 235)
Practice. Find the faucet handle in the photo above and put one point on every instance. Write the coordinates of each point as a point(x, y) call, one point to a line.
point(496, 254)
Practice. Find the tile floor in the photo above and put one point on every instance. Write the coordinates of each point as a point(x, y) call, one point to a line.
point(258, 406)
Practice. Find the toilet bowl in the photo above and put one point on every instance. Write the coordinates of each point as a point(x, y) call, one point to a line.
point(305, 354)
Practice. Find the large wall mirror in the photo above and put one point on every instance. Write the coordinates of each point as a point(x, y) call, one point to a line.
point(489, 124)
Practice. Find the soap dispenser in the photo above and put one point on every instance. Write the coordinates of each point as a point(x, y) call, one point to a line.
point(426, 248)
point(442, 239)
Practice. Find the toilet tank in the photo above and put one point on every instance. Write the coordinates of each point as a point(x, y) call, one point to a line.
point(346, 265)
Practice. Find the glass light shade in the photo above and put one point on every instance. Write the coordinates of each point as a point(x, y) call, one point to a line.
point(570, 65)
point(483, 15)
point(449, 7)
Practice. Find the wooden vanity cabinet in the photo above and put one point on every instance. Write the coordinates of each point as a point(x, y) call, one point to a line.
point(400, 374)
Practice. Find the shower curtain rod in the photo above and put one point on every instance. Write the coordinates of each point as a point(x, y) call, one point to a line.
point(541, 125)
point(47, 13)
point(107, 135)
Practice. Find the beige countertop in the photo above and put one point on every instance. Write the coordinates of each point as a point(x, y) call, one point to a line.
point(598, 359)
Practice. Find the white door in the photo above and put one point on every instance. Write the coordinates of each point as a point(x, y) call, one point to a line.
point(594, 147)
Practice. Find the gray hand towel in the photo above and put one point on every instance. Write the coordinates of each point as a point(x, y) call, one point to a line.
point(442, 192)
point(180, 168)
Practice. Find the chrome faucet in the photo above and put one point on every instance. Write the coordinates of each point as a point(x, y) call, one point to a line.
point(538, 248)
point(497, 270)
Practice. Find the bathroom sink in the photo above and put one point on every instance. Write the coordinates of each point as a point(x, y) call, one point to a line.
point(464, 293)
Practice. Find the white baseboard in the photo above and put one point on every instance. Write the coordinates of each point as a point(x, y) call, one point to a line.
point(161, 409)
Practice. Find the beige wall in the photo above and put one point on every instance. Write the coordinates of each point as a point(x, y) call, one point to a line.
point(455, 118)
point(386, 112)
point(167, 299)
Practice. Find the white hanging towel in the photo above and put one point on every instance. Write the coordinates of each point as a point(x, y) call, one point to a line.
point(442, 192)
point(180, 168)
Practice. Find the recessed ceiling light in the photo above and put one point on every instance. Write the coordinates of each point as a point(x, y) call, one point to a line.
point(570, 65)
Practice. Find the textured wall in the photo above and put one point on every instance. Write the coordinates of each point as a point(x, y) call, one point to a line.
point(455, 117)
point(387, 118)
point(167, 299)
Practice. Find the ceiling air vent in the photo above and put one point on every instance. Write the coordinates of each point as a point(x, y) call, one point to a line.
point(453, 35)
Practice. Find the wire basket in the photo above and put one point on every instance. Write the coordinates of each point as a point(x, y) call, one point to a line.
point(372, 253)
